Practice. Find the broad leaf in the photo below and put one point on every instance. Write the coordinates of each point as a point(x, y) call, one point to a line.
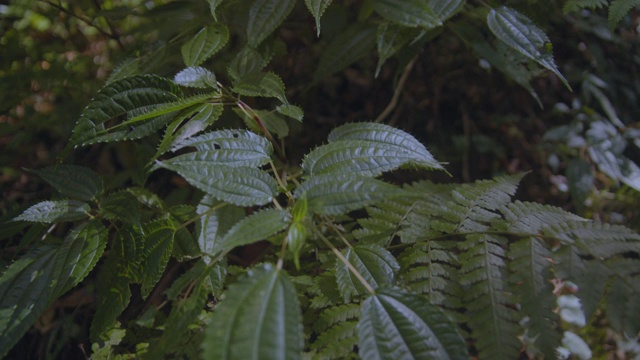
point(75, 181)
point(259, 319)
point(445, 9)
point(264, 17)
point(229, 140)
point(376, 265)
point(250, 157)
point(246, 67)
point(206, 43)
point(158, 243)
point(349, 46)
point(395, 324)
point(317, 8)
point(261, 85)
point(258, 226)
point(121, 205)
point(55, 211)
point(243, 186)
point(408, 13)
point(367, 149)
point(124, 100)
point(197, 120)
point(389, 39)
point(519, 32)
point(333, 194)
point(197, 77)
point(291, 111)
point(215, 222)
point(274, 123)
point(31, 283)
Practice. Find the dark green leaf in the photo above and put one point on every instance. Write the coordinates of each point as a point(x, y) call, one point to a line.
point(215, 222)
point(291, 111)
point(243, 186)
point(158, 244)
point(206, 43)
point(259, 319)
point(333, 194)
point(398, 325)
point(376, 265)
point(55, 211)
point(75, 181)
point(317, 8)
point(349, 46)
point(258, 226)
point(519, 32)
point(264, 17)
point(408, 13)
point(122, 206)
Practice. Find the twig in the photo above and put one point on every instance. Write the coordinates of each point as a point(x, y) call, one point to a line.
point(396, 94)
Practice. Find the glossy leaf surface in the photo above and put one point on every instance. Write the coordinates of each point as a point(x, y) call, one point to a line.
point(206, 43)
point(55, 211)
point(258, 226)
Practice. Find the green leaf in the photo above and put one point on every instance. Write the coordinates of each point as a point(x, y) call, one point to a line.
point(75, 181)
point(256, 227)
point(196, 77)
point(252, 156)
point(158, 244)
point(263, 85)
point(519, 32)
point(349, 46)
point(31, 283)
point(367, 149)
point(215, 222)
point(618, 9)
point(291, 111)
point(445, 9)
point(121, 205)
point(243, 186)
point(206, 43)
point(264, 17)
point(199, 118)
point(246, 67)
point(332, 194)
point(259, 319)
point(411, 13)
point(389, 39)
point(317, 8)
point(275, 124)
point(55, 211)
point(576, 5)
point(376, 265)
point(398, 325)
point(122, 100)
point(531, 279)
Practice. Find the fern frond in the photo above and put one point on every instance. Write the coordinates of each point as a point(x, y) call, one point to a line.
point(599, 240)
point(336, 341)
point(491, 309)
point(530, 277)
point(577, 5)
point(336, 314)
point(619, 9)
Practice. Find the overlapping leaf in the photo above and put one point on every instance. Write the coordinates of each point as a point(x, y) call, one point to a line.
point(376, 265)
point(367, 149)
point(519, 32)
point(264, 17)
point(408, 13)
point(206, 43)
point(398, 325)
point(215, 222)
point(55, 211)
point(348, 47)
point(196, 76)
point(259, 319)
point(332, 194)
point(188, 124)
point(75, 181)
point(259, 226)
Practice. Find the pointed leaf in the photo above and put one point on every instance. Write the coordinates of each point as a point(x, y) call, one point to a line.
point(259, 319)
point(197, 119)
point(291, 111)
point(274, 123)
point(519, 32)
point(75, 181)
point(317, 8)
point(243, 186)
point(349, 46)
point(618, 9)
point(398, 325)
point(367, 149)
point(250, 157)
point(408, 13)
point(376, 265)
point(158, 244)
point(124, 99)
point(445, 9)
point(197, 77)
point(55, 211)
point(333, 194)
point(206, 43)
point(35, 280)
point(214, 224)
point(264, 17)
point(389, 39)
point(258, 226)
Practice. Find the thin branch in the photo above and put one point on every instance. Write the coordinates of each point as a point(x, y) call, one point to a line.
point(396, 94)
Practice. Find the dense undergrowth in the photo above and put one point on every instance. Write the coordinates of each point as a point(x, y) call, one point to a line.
point(231, 179)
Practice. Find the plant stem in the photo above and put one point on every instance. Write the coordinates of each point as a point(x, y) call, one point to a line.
point(345, 261)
